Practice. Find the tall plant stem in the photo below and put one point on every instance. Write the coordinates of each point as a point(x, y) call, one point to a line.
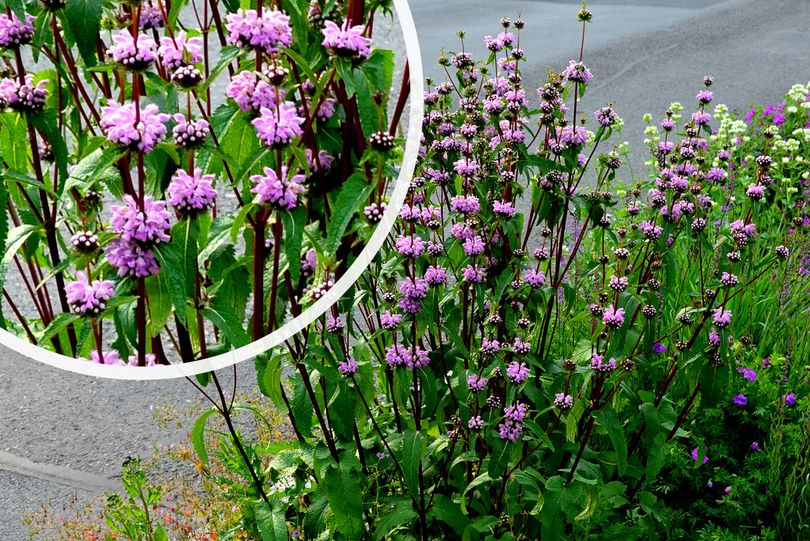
point(225, 411)
point(258, 276)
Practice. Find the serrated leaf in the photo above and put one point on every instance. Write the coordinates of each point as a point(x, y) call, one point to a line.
point(294, 222)
point(342, 488)
point(198, 435)
point(352, 194)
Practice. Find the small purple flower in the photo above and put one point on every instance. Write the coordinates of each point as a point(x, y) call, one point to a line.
point(475, 423)
point(704, 96)
point(517, 372)
point(695, 455)
point(577, 72)
point(534, 278)
point(789, 399)
point(516, 412)
point(755, 191)
point(119, 123)
point(748, 373)
point(721, 317)
point(250, 92)
point(189, 133)
point(411, 246)
point(510, 430)
point(413, 289)
point(281, 192)
point(131, 54)
point(521, 347)
point(466, 167)
point(322, 163)
point(599, 365)
point(766, 362)
point(191, 193)
point(727, 490)
point(473, 274)
point(348, 366)
point(150, 225)
point(390, 321)
point(14, 32)
point(755, 446)
point(150, 17)
point(490, 347)
point(606, 116)
point(267, 33)
point(714, 337)
point(573, 136)
point(436, 275)
point(613, 317)
point(278, 127)
point(346, 41)
point(150, 358)
point(465, 204)
point(25, 97)
point(473, 245)
point(563, 401)
point(130, 259)
point(180, 50)
point(658, 347)
point(111, 358)
point(740, 400)
point(476, 383)
point(88, 298)
point(502, 208)
point(335, 324)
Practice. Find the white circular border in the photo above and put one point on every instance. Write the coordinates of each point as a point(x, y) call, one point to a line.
point(275, 338)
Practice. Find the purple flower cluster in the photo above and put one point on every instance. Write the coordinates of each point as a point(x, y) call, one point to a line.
point(613, 317)
point(88, 298)
point(180, 50)
point(476, 383)
point(577, 72)
point(139, 230)
point(191, 193)
point(346, 41)
point(517, 372)
point(23, 97)
point(250, 92)
point(512, 426)
point(131, 54)
point(123, 125)
point(279, 126)
point(412, 358)
point(348, 366)
point(147, 226)
point(267, 32)
point(14, 32)
point(598, 363)
point(281, 192)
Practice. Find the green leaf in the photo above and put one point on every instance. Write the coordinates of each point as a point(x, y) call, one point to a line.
point(294, 222)
point(342, 487)
point(222, 315)
point(57, 325)
point(352, 194)
point(18, 7)
point(15, 239)
point(14, 141)
point(397, 515)
point(198, 435)
point(480, 480)
point(616, 434)
point(178, 261)
point(84, 23)
point(45, 123)
point(160, 302)
point(413, 449)
point(268, 372)
point(270, 522)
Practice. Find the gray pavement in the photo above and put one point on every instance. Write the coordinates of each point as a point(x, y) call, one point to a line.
point(642, 56)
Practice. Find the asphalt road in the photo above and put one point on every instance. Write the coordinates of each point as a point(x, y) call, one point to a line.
point(643, 55)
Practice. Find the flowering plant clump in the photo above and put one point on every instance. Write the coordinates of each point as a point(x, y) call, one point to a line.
point(549, 348)
point(149, 217)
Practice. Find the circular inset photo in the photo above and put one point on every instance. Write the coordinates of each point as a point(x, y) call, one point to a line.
point(188, 183)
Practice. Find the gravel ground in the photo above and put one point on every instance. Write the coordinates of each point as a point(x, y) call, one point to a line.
point(643, 57)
